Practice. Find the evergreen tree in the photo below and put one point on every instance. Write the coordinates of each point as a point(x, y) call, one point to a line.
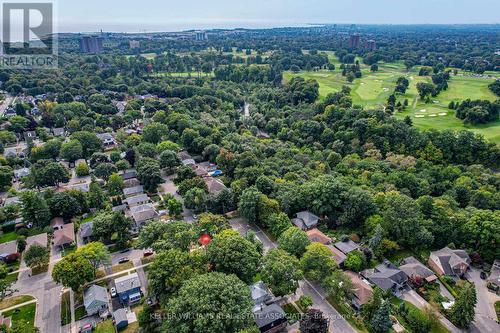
point(381, 321)
point(462, 312)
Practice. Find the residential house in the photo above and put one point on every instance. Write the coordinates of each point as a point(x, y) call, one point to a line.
point(10, 112)
point(449, 262)
point(86, 231)
point(12, 201)
point(119, 208)
point(215, 186)
point(40, 240)
point(59, 131)
point(128, 288)
point(95, 299)
point(338, 256)
point(21, 173)
point(6, 321)
point(29, 135)
point(128, 174)
point(120, 319)
point(8, 249)
point(346, 246)
point(137, 200)
point(57, 223)
point(270, 319)
point(188, 162)
point(199, 170)
point(132, 191)
point(82, 187)
point(107, 140)
point(131, 183)
point(494, 278)
point(261, 293)
point(416, 270)
point(305, 220)
point(387, 277)
point(315, 235)
point(143, 213)
point(64, 236)
point(362, 290)
point(268, 316)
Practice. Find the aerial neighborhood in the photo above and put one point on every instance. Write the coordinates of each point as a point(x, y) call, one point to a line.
point(211, 181)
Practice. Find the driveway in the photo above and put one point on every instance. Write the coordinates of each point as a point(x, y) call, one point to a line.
point(243, 227)
point(485, 320)
point(415, 299)
point(169, 187)
point(336, 322)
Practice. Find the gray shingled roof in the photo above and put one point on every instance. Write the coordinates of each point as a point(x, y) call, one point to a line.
point(95, 293)
point(86, 229)
point(268, 314)
point(133, 190)
point(127, 282)
point(137, 199)
point(347, 246)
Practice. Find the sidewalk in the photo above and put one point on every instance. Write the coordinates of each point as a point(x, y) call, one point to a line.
point(18, 305)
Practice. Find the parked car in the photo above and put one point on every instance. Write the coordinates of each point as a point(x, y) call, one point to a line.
point(123, 260)
point(86, 328)
point(113, 292)
point(125, 250)
point(148, 253)
point(483, 275)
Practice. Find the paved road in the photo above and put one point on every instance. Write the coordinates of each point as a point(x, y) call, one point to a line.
point(3, 106)
point(485, 320)
point(48, 295)
point(337, 323)
point(243, 227)
point(415, 299)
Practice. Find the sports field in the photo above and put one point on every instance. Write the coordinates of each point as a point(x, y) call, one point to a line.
point(373, 89)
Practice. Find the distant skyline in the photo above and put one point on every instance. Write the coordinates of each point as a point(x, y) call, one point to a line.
point(168, 15)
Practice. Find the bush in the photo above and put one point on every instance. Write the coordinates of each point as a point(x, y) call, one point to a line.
point(418, 322)
point(82, 170)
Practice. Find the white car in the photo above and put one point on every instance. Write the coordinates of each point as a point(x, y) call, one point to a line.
point(113, 292)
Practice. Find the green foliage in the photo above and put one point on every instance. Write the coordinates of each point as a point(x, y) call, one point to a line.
point(230, 253)
point(35, 209)
point(36, 256)
point(213, 295)
point(294, 241)
point(281, 272)
point(355, 261)
point(82, 169)
point(73, 271)
point(317, 262)
point(462, 312)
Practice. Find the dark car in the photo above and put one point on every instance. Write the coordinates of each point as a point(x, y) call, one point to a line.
point(148, 253)
point(125, 250)
point(483, 275)
point(123, 260)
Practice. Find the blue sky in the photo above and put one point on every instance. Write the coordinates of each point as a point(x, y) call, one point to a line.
point(133, 15)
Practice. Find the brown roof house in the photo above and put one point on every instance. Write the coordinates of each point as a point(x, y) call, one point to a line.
point(215, 186)
point(64, 236)
point(40, 240)
point(416, 270)
point(315, 235)
point(305, 220)
point(449, 262)
point(8, 249)
point(338, 256)
point(363, 291)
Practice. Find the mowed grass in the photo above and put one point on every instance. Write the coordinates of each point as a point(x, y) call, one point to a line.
point(436, 115)
point(373, 88)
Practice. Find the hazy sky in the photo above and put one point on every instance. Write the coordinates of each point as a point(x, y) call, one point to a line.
point(134, 15)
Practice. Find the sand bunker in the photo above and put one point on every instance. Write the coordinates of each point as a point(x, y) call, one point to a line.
point(386, 89)
point(442, 114)
point(419, 116)
point(433, 115)
point(423, 110)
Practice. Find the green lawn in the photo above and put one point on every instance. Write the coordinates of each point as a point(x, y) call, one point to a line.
point(373, 89)
point(69, 249)
point(11, 278)
point(65, 309)
point(105, 327)
point(80, 312)
point(10, 236)
point(24, 314)
point(121, 267)
point(292, 313)
point(11, 301)
point(349, 315)
point(437, 327)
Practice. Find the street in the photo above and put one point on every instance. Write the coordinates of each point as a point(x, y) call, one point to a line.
point(336, 322)
point(485, 311)
point(3, 106)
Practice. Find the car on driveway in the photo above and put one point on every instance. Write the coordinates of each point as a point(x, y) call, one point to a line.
point(123, 260)
point(148, 253)
point(113, 292)
point(86, 328)
point(125, 250)
point(483, 275)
